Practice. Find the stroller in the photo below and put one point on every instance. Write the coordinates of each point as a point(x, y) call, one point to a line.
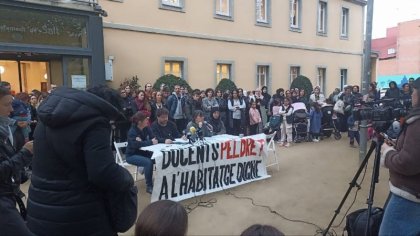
point(300, 122)
point(329, 122)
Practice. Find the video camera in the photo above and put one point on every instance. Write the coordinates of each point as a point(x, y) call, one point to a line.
point(382, 112)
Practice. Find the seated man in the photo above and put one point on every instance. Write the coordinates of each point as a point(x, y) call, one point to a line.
point(164, 129)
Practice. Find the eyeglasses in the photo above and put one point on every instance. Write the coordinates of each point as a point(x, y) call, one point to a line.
point(149, 86)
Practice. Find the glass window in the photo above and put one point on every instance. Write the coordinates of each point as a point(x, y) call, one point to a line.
point(322, 17)
point(262, 11)
point(262, 76)
point(294, 72)
point(175, 3)
point(175, 68)
point(343, 78)
point(223, 7)
point(344, 22)
point(321, 78)
point(223, 71)
point(295, 10)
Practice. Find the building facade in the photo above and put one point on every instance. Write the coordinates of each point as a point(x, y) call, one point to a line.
point(51, 42)
point(254, 42)
point(399, 53)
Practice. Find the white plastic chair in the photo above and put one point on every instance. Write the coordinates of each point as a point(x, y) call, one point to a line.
point(271, 147)
point(122, 162)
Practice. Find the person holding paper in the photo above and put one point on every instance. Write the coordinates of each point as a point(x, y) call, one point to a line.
point(140, 135)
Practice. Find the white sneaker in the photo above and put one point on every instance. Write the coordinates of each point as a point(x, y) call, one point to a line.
point(280, 143)
point(315, 140)
point(287, 145)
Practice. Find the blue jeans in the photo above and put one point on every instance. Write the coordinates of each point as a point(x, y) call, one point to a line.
point(401, 217)
point(146, 163)
point(354, 135)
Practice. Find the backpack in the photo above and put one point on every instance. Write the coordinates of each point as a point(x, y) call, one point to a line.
point(357, 220)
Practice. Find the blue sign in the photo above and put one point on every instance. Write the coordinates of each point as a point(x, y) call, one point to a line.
point(384, 80)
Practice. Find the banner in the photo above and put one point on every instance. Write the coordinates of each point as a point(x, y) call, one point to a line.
point(208, 167)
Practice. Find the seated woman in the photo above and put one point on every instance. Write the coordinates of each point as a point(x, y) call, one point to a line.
point(200, 125)
point(216, 122)
point(162, 218)
point(140, 135)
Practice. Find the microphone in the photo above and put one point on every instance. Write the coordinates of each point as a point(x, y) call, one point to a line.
point(192, 130)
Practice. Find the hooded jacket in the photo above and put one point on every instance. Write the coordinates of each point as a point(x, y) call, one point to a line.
point(73, 166)
point(393, 92)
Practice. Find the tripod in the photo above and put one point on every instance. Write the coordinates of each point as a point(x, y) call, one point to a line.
point(375, 145)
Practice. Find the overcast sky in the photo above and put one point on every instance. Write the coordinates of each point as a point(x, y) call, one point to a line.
point(387, 13)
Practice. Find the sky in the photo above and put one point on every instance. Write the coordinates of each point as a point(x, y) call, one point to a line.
point(387, 14)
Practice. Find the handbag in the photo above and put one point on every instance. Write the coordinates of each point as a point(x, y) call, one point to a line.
point(123, 208)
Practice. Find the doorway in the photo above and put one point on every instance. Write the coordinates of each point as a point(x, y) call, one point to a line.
point(25, 76)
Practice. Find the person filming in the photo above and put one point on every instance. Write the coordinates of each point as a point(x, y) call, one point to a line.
point(402, 213)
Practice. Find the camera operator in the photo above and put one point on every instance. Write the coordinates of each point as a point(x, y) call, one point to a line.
point(402, 213)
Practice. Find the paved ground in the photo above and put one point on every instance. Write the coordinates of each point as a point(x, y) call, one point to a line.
point(312, 180)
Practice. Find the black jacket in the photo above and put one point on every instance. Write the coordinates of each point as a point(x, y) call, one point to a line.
point(136, 139)
point(162, 133)
point(73, 166)
point(11, 166)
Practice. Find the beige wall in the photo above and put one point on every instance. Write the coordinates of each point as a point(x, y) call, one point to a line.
point(32, 74)
point(139, 34)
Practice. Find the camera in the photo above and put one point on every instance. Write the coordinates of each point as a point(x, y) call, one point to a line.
point(382, 112)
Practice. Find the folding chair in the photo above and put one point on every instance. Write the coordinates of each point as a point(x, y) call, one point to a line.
point(271, 147)
point(122, 162)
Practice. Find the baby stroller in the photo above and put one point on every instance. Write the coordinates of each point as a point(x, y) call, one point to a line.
point(329, 122)
point(300, 122)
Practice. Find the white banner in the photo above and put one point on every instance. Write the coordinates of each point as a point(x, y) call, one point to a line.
point(211, 166)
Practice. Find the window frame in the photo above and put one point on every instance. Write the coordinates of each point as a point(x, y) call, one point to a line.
point(220, 15)
point(172, 7)
point(324, 31)
point(321, 83)
point(290, 72)
point(298, 27)
point(267, 75)
point(231, 70)
point(266, 23)
point(184, 67)
point(344, 35)
point(343, 79)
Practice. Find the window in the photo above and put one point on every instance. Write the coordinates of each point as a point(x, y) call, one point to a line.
point(344, 23)
point(224, 9)
point(322, 72)
point(175, 68)
point(322, 18)
point(223, 71)
point(175, 3)
point(295, 12)
point(261, 6)
point(343, 78)
point(391, 51)
point(262, 76)
point(294, 72)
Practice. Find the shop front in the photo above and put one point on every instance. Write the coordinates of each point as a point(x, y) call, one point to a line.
point(41, 45)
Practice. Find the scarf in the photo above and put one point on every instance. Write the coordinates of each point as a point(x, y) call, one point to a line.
point(5, 122)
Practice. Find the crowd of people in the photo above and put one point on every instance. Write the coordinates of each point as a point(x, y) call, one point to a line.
point(74, 171)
